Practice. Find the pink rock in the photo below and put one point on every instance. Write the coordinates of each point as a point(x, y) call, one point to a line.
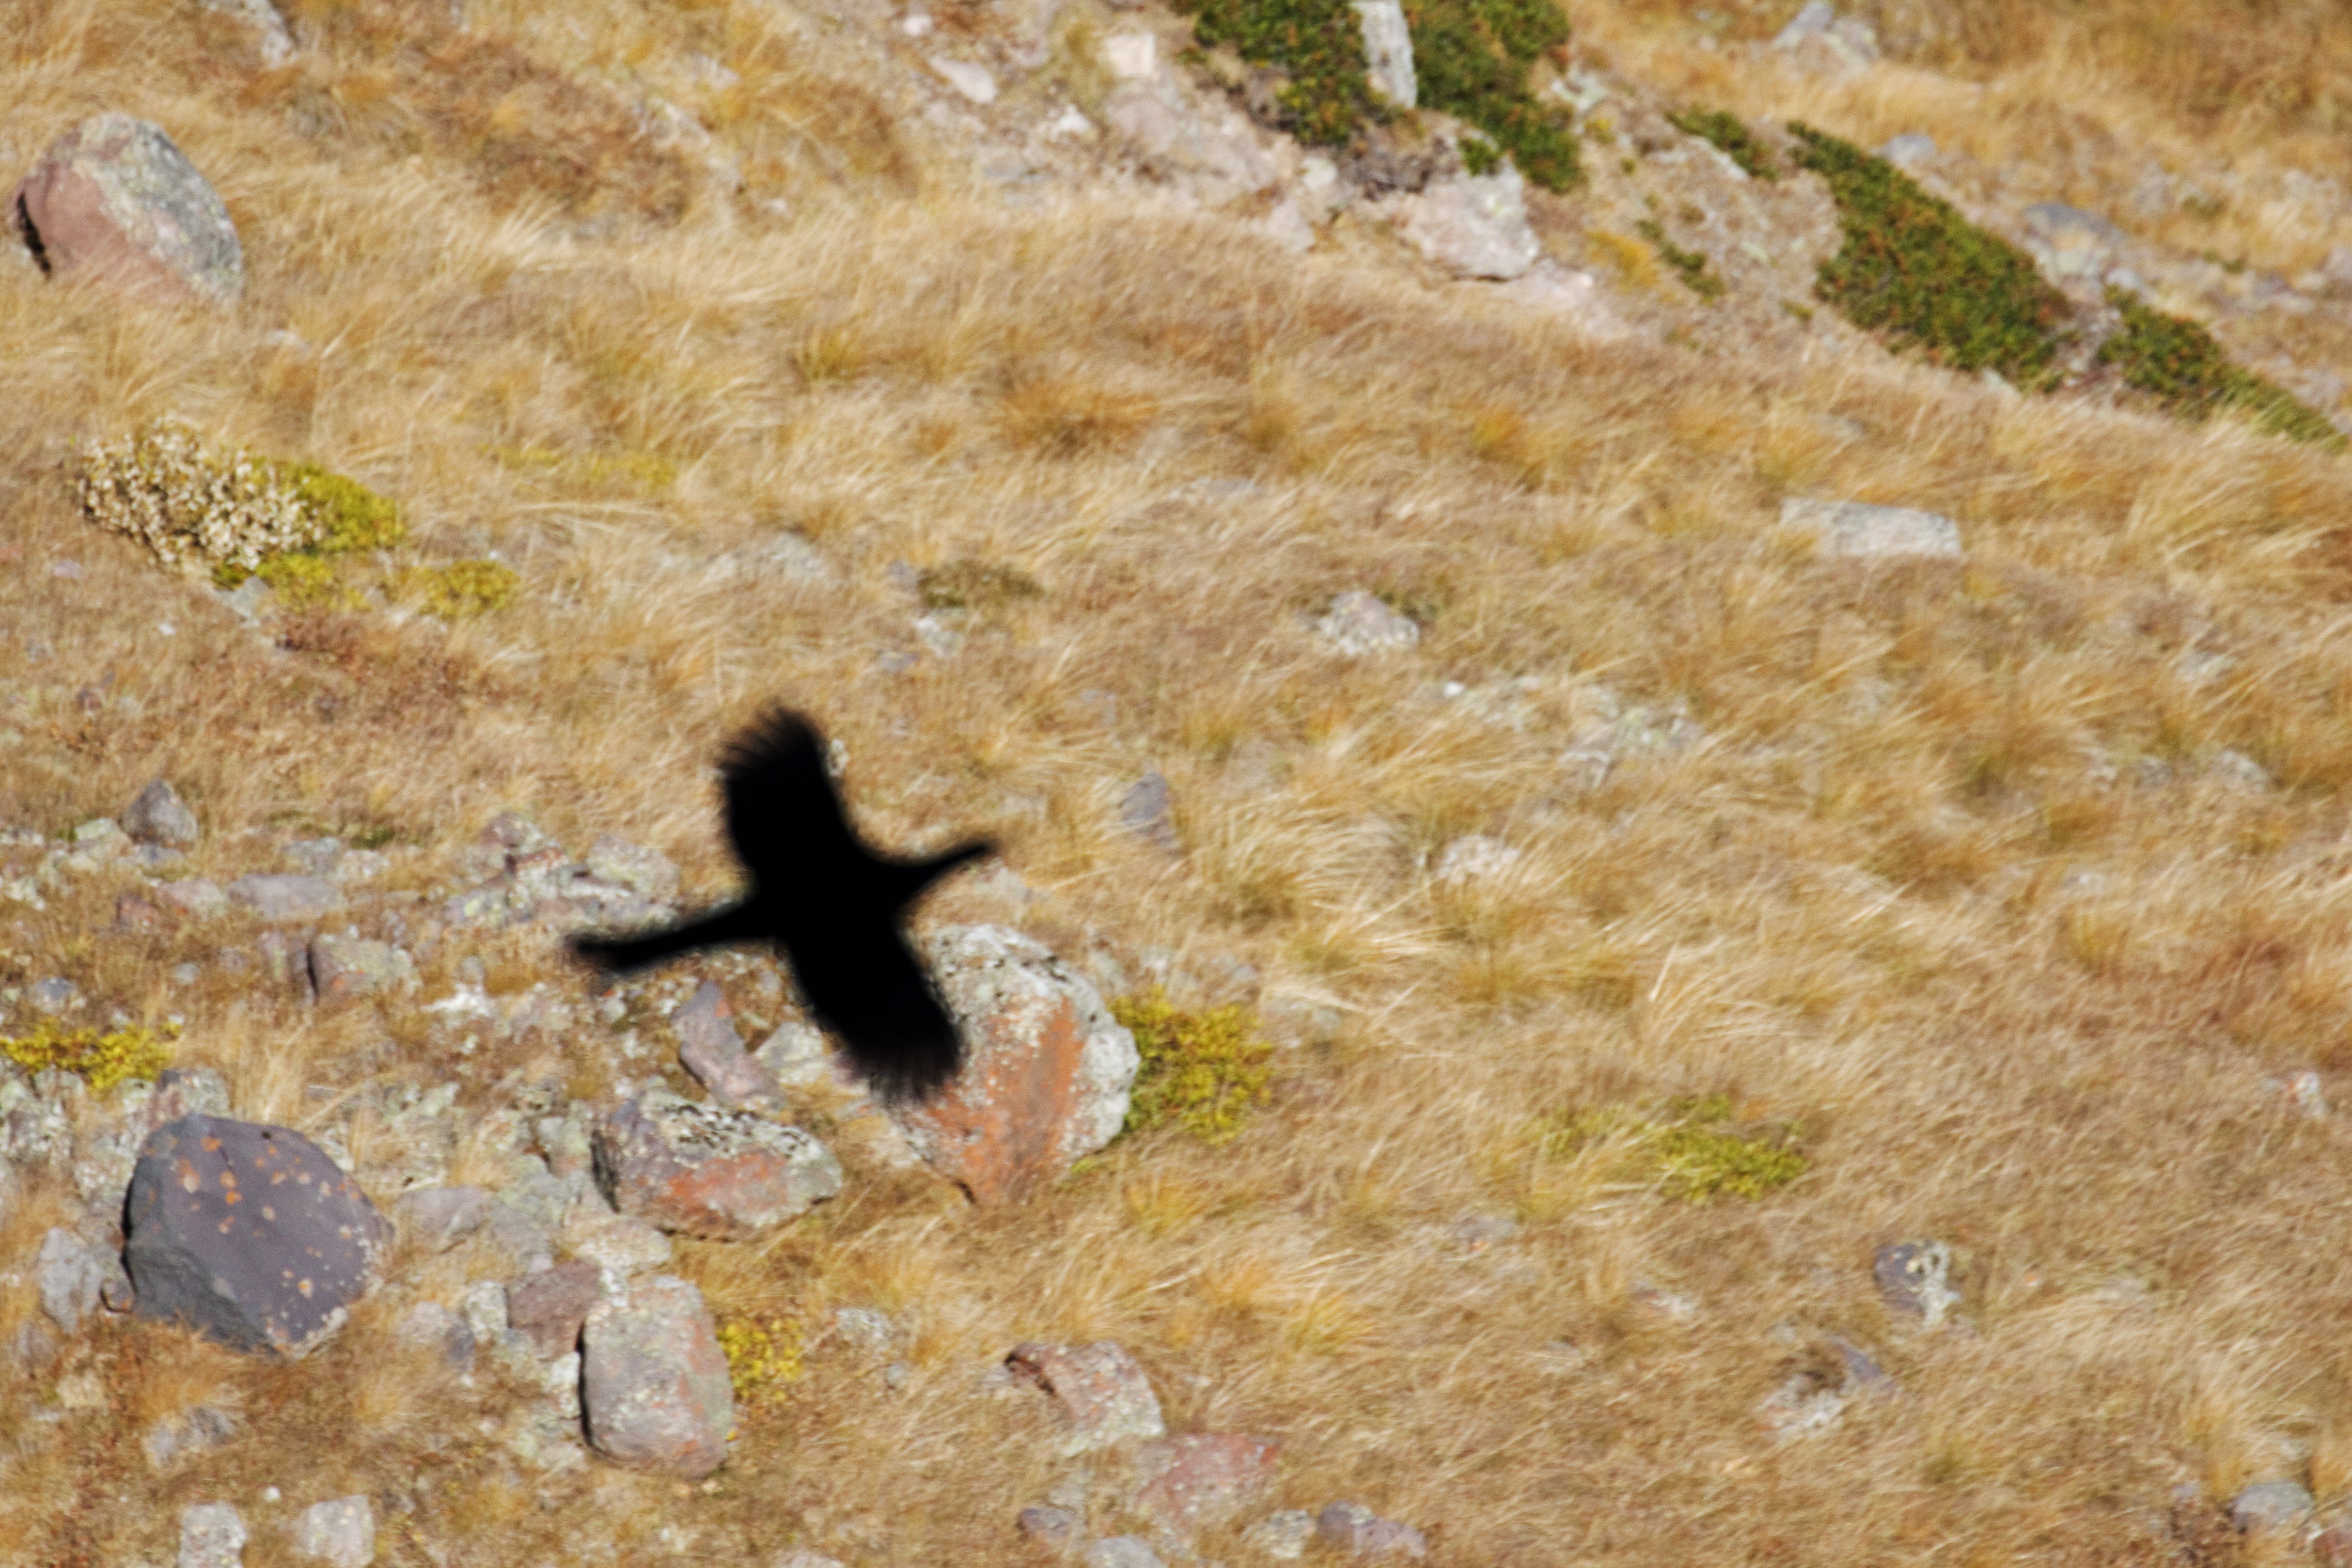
point(712, 1051)
point(551, 1305)
point(654, 1383)
point(1194, 1482)
point(1048, 1075)
point(1102, 1392)
point(113, 198)
point(696, 1170)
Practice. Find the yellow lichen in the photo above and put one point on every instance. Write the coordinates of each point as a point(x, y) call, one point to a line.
point(103, 1061)
point(459, 590)
point(1202, 1072)
point(763, 1357)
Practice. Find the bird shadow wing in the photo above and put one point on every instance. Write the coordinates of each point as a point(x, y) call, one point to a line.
point(895, 1031)
point(782, 814)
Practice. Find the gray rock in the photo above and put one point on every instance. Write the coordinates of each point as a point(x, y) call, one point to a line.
point(195, 1430)
point(2269, 1505)
point(438, 1218)
point(53, 996)
point(1121, 1551)
point(865, 1328)
point(115, 199)
point(1910, 148)
point(1203, 146)
point(1056, 1528)
point(1282, 1536)
point(287, 898)
point(1388, 51)
point(346, 967)
point(69, 1274)
point(972, 82)
point(247, 1233)
point(1102, 1393)
point(695, 1170)
point(434, 1326)
point(1913, 1279)
point(654, 1382)
point(286, 960)
point(1472, 858)
point(527, 1241)
point(1048, 1074)
point(648, 873)
point(340, 1533)
point(616, 1243)
point(1853, 529)
point(804, 1559)
point(1352, 1528)
point(712, 1049)
point(796, 1056)
point(1473, 225)
point(2238, 770)
point(1147, 811)
point(313, 857)
point(1819, 39)
point(1357, 623)
point(195, 897)
point(160, 816)
point(212, 1535)
point(550, 1306)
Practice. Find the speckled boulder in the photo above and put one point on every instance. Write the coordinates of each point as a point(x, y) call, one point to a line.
point(247, 1233)
point(114, 198)
point(1048, 1075)
point(696, 1170)
point(653, 1383)
point(1103, 1395)
point(1193, 1482)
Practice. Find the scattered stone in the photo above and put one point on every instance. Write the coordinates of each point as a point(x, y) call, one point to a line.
point(1357, 624)
point(286, 897)
point(1121, 1551)
point(436, 1327)
point(1048, 1526)
point(1148, 812)
point(1048, 1072)
point(796, 1056)
point(654, 1382)
point(2235, 770)
point(346, 967)
point(2070, 242)
point(615, 1243)
point(195, 1430)
point(1851, 530)
point(134, 915)
point(804, 1559)
point(1388, 51)
point(160, 816)
point(313, 857)
point(1913, 1279)
point(195, 896)
point(1132, 56)
point(340, 1533)
point(549, 1307)
point(1473, 225)
point(712, 1051)
point(1472, 857)
point(1477, 1232)
point(2269, 1505)
point(115, 199)
point(1203, 146)
point(1282, 1536)
point(247, 1233)
point(53, 996)
point(692, 1170)
point(1193, 1483)
point(972, 82)
point(1103, 1394)
point(1818, 38)
point(1287, 227)
point(864, 1328)
point(212, 1535)
point(1352, 1528)
point(1909, 150)
point(2304, 1088)
point(70, 1274)
point(438, 1218)
point(648, 873)
point(1567, 292)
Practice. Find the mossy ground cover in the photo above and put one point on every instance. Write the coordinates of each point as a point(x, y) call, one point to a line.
point(103, 1060)
point(1690, 266)
point(2176, 362)
point(1913, 267)
point(1693, 1150)
point(1731, 137)
point(1202, 1072)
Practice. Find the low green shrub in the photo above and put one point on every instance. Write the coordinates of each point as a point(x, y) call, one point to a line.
point(2176, 362)
point(1688, 264)
point(1202, 1071)
point(1318, 44)
point(459, 590)
point(1731, 137)
point(1912, 266)
point(1694, 1151)
point(1470, 59)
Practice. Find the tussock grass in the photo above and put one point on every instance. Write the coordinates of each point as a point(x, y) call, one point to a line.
point(1915, 889)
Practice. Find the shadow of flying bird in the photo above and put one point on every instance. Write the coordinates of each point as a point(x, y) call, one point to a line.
point(835, 909)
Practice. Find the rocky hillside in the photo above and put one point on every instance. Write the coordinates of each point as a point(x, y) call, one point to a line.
point(1664, 688)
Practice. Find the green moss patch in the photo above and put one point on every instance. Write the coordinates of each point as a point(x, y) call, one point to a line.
point(1202, 1071)
point(350, 515)
point(1318, 44)
point(102, 1060)
point(1470, 59)
point(459, 590)
point(2176, 362)
point(1912, 266)
point(1689, 264)
point(968, 584)
point(1731, 138)
point(1694, 1151)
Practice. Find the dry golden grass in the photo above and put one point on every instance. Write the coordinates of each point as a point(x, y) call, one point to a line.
point(1909, 892)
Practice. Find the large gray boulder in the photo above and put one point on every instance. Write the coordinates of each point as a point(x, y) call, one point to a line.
point(114, 198)
point(247, 1233)
point(654, 1383)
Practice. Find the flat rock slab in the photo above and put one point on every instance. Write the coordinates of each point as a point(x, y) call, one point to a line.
point(247, 1233)
point(276, 896)
point(1855, 531)
point(438, 1218)
point(212, 1535)
point(1193, 1482)
point(712, 1048)
point(551, 1305)
point(695, 1170)
point(1048, 1074)
point(1473, 225)
point(653, 1383)
point(115, 198)
point(1103, 1394)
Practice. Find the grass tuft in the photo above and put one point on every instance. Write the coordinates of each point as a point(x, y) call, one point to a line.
point(1694, 1151)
